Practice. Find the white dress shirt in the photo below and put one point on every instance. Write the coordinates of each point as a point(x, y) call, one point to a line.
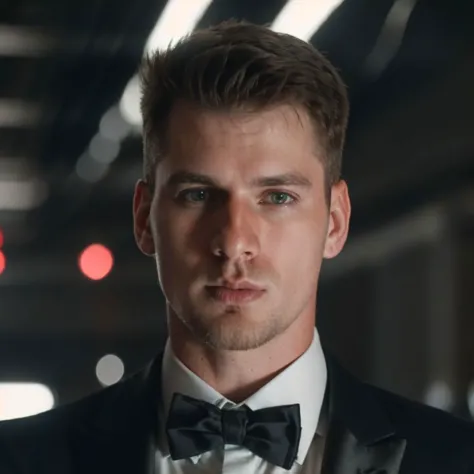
point(302, 382)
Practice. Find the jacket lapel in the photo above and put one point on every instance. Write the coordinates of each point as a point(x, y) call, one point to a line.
point(360, 438)
point(116, 431)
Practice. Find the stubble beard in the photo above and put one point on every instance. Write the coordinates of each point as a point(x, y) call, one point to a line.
point(231, 331)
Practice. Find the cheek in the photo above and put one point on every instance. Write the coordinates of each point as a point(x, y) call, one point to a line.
point(172, 264)
point(298, 251)
point(166, 226)
point(175, 244)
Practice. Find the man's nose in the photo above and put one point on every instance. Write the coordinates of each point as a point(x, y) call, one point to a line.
point(236, 232)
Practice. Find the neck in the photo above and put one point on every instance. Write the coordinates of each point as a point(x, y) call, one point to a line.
point(238, 374)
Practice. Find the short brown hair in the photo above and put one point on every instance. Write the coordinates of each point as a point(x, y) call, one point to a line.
point(241, 65)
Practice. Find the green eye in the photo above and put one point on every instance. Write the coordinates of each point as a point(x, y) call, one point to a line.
point(280, 198)
point(194, 195)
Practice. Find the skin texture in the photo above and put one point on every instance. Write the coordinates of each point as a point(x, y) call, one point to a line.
point(214, 217)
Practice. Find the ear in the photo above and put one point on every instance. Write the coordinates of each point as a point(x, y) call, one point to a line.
point(142, 199)
point(339, 217)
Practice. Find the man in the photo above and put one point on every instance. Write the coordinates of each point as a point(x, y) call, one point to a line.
point(241, 201)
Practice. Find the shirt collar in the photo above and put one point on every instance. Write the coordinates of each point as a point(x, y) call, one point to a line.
point(307, 377)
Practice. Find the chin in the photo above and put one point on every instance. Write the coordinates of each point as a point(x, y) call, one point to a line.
point(235, 330)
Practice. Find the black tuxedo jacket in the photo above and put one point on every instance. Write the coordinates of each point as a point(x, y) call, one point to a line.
point(113, 432)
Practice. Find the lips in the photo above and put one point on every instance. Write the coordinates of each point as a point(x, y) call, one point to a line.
point(228, 295)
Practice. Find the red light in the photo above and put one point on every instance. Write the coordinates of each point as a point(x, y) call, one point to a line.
point(1, 239)
point(3, 262)
point(96, 261)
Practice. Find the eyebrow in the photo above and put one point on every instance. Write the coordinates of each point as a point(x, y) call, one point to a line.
point(285, 179)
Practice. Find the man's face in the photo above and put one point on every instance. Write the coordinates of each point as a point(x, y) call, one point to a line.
point(239, 203)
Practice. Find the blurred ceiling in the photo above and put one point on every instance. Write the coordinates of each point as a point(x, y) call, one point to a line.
point(69, 161)
point(64, 66)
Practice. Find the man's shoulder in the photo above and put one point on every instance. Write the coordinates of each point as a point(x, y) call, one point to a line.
point(30, 440)
point(80, 431)
point(50, 420)
point(64, 416)
point(116, 408)
point(423, 424)
point(407, 418)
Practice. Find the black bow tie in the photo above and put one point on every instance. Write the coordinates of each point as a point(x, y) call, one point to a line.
point(194, 427)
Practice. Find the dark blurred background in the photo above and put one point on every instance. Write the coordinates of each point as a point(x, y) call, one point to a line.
point(396, 306)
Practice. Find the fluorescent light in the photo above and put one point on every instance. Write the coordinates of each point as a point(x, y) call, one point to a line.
point(470, 398)
point(89, 169)
point(18, 113)
point(14, 167)
point(18, 400)
point(103, 150)
point(22, 195)
point(130, 103)
point(113, 126)
point(179, 18)
point(302, 18)
point(21, 41)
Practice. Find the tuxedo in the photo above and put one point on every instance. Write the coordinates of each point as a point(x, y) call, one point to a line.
point(370, 431)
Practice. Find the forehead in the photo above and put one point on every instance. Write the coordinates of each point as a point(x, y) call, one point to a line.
point(274, 140)
point(213, 127)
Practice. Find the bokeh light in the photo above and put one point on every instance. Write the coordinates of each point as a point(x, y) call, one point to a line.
point(18, 400)
point(3, 262)
point(109, 369)
point(96, 261)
